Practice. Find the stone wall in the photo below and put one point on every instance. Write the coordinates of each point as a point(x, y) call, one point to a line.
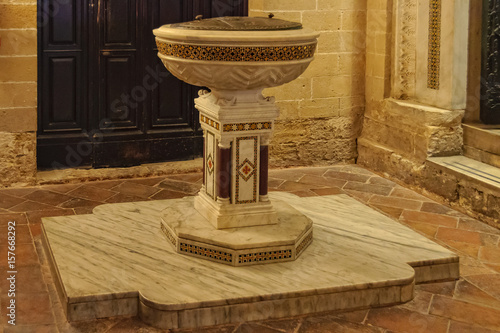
point(400, 132)
point(18, 92)
point(321, 112)
point(409, 122)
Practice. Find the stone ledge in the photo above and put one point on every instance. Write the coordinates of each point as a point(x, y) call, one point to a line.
point(71, 176)
point(481, 143)
point(482, 156)
point(477, 188)
point(414, 130)
point(484, 175)
point(413, 114)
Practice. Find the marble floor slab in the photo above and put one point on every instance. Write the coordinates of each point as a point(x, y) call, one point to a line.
point(117, 262)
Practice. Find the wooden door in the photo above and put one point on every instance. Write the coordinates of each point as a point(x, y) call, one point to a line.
point(490, 63)
point(105, 99)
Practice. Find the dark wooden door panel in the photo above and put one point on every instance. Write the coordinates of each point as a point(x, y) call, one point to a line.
point(168, 101)
point(61, 66)
point(62, 97)
point(168, 12)
point(167, 104)
point(170, 109)
point(117, 79)
point(62, 24)
point(118, 20)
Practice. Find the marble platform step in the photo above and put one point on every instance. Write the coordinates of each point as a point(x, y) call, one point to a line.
point(476, 173)
point(482, 143)
point(117, 262)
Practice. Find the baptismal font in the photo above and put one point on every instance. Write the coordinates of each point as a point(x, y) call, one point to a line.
point(232, 220)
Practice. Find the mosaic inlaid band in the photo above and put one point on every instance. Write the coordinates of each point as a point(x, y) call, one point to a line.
point(168, 234)
point(222, 256)
point(433, 61)
point(265, 256)
point(238, 53)
point(209, 122)
point(247, 126)
point(305, 242)
point(237, 127)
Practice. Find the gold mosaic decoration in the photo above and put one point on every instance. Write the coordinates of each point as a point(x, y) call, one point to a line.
point(168, 234)
point(265, 256)
point(206, 252)
point(209, 122)
point(433, 61)
point(237, 127)
point(238, 53)
point(304, 244)
point(247, 126)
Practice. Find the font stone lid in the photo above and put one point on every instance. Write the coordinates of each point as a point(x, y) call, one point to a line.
point(238, 23)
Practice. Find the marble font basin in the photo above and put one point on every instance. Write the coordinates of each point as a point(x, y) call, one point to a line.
point(221, 57)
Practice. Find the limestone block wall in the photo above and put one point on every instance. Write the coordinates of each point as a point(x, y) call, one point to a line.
point(407, 118)
point(321, 112)
point(18, 92)
point(413, 113)
point(419, 90)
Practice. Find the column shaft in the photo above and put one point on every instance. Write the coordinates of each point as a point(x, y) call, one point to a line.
point(204, 158)
point(223, 172)
point(263, 168)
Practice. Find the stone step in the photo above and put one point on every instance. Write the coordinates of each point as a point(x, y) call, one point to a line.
point(472, 170)
point(477, 185)
point(482, 143)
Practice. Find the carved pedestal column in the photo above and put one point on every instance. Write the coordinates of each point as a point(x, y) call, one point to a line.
point(237, 126)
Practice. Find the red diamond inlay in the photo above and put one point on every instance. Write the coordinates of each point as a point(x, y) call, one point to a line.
point(210, 164)
point(246, 170)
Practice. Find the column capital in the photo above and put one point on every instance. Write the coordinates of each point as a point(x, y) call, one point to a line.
point(225, 143)
point(264, 140)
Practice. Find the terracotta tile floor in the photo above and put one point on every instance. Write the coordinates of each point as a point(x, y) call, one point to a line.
point(471, 304)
